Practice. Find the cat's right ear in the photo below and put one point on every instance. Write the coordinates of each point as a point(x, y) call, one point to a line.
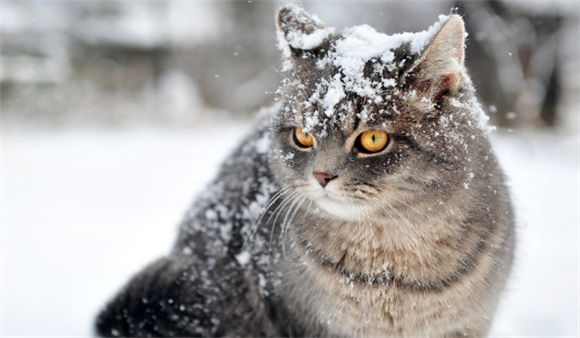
point(298, 33)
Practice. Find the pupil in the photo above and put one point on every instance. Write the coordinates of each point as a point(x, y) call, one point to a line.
point(373, 137)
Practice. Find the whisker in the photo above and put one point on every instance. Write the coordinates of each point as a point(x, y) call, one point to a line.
point(410, 207)
point(254, 226)
point(271, 202)
point(284, 222)
point(286, 226)
point(284, 202)
point(277, 212)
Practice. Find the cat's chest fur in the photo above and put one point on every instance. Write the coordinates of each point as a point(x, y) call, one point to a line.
point(352, 280)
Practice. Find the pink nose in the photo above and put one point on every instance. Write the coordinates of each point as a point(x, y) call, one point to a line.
point(323, 178)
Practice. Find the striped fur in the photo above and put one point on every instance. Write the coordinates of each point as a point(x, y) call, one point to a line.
point(415, 240)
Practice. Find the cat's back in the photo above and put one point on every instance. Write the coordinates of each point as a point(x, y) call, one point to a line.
point(202, 288)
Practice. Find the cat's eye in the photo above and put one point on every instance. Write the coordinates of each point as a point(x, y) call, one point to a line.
point(303, 139)
point(372, 141)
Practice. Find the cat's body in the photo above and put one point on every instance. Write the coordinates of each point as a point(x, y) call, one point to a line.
point(307, 232)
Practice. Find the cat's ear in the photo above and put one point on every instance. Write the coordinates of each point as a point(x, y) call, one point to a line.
point(439, 69)
point(299, 32)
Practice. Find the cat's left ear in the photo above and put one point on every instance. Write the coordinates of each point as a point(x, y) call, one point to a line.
point(439, 69)
point(299, 32)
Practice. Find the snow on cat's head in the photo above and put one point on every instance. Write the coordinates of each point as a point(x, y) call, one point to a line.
point(408, 90)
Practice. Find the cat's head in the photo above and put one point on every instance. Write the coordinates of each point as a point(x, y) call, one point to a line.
point(368, 118)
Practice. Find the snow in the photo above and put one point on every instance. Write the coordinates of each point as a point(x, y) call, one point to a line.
point(243, 258)
point(84, 210)
point(364, 43)
point(263, 144)
point(542, 295)
point(351, 52)
point(359, 43)
point(309, 41)
point(296, 38)
point(334, 95)
point(475, 107)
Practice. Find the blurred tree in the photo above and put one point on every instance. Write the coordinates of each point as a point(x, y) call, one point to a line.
point(514, 61)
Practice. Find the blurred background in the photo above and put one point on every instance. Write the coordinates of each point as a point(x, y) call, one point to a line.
point(115, 114)
point(172, 63)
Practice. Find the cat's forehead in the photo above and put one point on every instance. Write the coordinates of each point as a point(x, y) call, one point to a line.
point(352, 79)
point(325, 104)
point(352, 113)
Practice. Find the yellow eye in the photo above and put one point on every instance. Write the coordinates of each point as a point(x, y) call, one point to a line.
point(302, 138)
point(374, 140)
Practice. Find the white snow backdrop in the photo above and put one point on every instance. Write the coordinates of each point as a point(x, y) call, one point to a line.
point(82, 210)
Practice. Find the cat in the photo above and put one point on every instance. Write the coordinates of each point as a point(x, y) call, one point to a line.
point(366, 202)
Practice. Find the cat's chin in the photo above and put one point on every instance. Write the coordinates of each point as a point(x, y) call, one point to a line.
point(340, 209)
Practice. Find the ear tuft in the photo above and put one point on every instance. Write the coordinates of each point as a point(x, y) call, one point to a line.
point(299, 31)
point(439, 69)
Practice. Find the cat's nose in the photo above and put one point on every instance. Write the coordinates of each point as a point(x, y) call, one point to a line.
point(323, 178)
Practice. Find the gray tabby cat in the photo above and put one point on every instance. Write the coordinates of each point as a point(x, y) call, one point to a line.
point(367, 202)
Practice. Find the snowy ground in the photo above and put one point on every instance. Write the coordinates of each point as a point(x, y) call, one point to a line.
point(83, 210)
